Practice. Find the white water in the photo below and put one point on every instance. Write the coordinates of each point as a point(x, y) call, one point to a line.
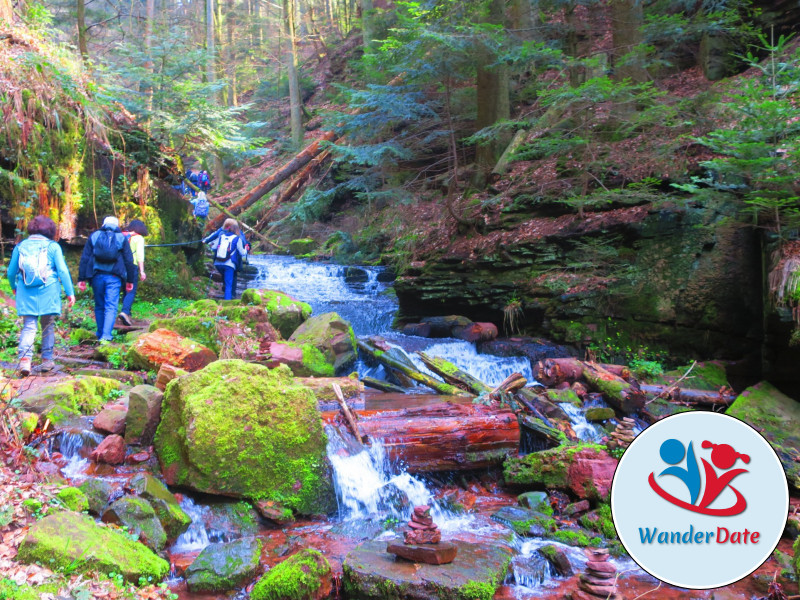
point(75, 447)
point(586, 432)
point(196, 537)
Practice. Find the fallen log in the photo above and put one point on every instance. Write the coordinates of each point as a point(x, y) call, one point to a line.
point(384, 386)
point(384, 358)
point(323, 390)
point(624, 396)
point(348, 414)
point(452, 374)
point(226, 213)
point(444, 436)
point(274, 180)
point(722, 397)
point(551, 372)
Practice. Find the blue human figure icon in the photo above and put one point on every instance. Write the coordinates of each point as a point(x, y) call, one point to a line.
point(672, 453)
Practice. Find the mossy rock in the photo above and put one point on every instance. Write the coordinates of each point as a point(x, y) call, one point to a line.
point(534, 500)
point(525, 522)
point(202, 308)
point(596, 414)
point(200, 329)
point(126, 377)
point(69, 541)
point(138, 516)
point(172, 517)
point(285, 313)
point(300, 577)
point(600, 521)
point(243, 430)
point(777, 417)
point(70, 398)
point(565, 395)
point(73, 499)
point(98, 494)
point(709, 375)
point(302, 246)
point(223, 567)
point(331, 335)
point(79, 335)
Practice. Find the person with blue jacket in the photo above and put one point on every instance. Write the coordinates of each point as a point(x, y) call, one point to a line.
point(238, 258)
point(107, 261)
point(228, 252)
point(36, 269)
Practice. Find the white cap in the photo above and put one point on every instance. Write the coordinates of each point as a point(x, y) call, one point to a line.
point(111, 222)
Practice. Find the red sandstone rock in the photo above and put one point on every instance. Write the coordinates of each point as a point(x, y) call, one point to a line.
point(596, 554)
point(601, 567)
point(137, 458)
point(110, 420)
point(110, 451)
point(598, 590)
point(151, 350)
point(284, 354)
point(422, 536)
point(590, 473)
point(438, 554)
point(166, 374)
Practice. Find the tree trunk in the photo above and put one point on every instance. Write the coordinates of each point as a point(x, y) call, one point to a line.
point(624, 396)
point(230, 53)
point(443, 437)
point(453, 375)
point(721, 397)
point(150, 16)
point(6, 14)
point(367, 23)
point(295, 111)
point(627, 18)
point(210, 45)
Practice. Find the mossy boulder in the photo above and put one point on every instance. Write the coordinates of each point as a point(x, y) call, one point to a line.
point(586, 470)
point(244, 430)
point(526, 522)
point(139, 518)
point(73, 499)
point(777, 417)
point(70, 398)
point(596, 414)
point(201, 329)
point(302, 246)
point(304, 360)
point(285, 313)
point(161, 346)
point(98, 494)
point(331, 335)
point(223, 567)
point(202, 308)
point(172, 517)
point(303, 576)
point(144, 413)
point(126, 377)
point(69, 541)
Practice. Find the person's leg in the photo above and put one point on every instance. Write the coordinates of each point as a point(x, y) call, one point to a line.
point(127, 300)
point(27, 335)
point(113, 285)
point(48, 323)
point(227, 280)
point(99, 290)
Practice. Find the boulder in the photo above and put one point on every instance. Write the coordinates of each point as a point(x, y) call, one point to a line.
point(144, 413)
point(475, 573)
point(558, 559)
point(153, 349)
point(304, 360)
point(596, 414)
point(166, 374)
point(285, 313)
point(585, 469)
point(98, 493)
point(172, 517)
point(69, 398)
point(110, 451)
point(223, 567)
point(331, 335)
point(111, 420)
point(139, 518)
point(69, 541)
point(777, 417)
point(244, 430)
point(73, 499)
point(303, 576)
point(302, 246)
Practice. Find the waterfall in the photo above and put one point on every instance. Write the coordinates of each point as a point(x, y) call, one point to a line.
point(76, 446)
point(585, 431)
point(196, 537)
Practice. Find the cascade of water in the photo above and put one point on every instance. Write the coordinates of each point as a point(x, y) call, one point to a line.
point(582, 428)
point(76, 446)
point(196, 537)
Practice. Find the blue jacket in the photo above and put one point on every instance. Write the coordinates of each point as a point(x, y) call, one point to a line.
point(124, 268)
point(45, 299)
point(240, 248)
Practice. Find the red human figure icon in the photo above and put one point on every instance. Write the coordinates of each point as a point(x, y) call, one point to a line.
point(724, 457)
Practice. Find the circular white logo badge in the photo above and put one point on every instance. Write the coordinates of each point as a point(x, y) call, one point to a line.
point(699, 500)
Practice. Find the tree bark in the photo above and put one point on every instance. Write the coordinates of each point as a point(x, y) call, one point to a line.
point(6, 14)
point(367, 23)
point(721, 397)
point(453, 375)
point(150, 16)
point(274, 180)
point(554, 371)
point(295, 111)
point(627, 18)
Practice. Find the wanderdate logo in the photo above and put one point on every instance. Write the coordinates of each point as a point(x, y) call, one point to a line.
point(699, 500)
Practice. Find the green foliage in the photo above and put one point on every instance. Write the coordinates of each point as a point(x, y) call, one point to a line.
point(646, 369)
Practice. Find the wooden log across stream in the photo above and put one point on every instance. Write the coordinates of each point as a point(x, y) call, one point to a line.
point(442, 436)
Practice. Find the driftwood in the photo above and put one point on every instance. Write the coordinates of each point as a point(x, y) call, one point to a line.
point(622, 395)
point(452, 374)
point(226, 213)
point(444, 436)
point(348, 414)
point(384, 386)
point(722, 397)
point(551, 372)
point(388, 361)
point(274, 180)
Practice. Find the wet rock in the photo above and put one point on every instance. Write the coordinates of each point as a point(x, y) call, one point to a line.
point(596, 414)
point(533, 500)
point(73, 499)
point(144, 413)
point(137, 458)
point(445, 326)
point(110, 451)
point(69, 398)
point(155, 348)
point(417, 329)
point(274, 512)
point(236, 519)
point(331, 335)
point(223, 567)
point(244, 430)
point(777, 417)
point(371, 572)
point(524, 521)
point(172, 517)
point(303, 360)
point(428, 553)
point(167, 373)
point(70, 541)
point(577, 508)
point(476, 332)
point(110, 420)
point(303, 246)
point(303, 576)
point(98, 494)
point(285, 313)
point(138, 516)
point(534, 349)
point(558, 559)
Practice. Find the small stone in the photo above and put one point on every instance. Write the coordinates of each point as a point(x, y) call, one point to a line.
point(421, 526)
point(422, 511)
point(596, 554)
point(137, 458)
point(598, 590)
point(598, 580)
point(598, 576)
point(422, 536)
point(426, 521)
point(439, 554)
point(601, 566)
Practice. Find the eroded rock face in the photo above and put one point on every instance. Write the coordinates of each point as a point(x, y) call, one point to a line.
point(244, 430)
point(151, 350)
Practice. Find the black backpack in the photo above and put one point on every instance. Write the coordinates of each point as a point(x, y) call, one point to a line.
point(106, 246)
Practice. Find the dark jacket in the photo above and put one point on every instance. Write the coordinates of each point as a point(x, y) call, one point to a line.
point(124, 268)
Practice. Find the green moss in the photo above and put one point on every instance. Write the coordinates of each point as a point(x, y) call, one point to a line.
point(78, 335)
point(11, 591)
point(315, 362)
point(600, 521)
point(203, 308)
point(566, 395)
point(84, 396)
point(796, 559)
point(73, 499)
point(32, 505)
point(200, 329)
point(296, 578)
point(476, 590)
point(575, 538)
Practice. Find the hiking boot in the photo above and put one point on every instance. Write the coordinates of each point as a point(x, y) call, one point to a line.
point(125, 319)
point(47, 365)
point(24, 367)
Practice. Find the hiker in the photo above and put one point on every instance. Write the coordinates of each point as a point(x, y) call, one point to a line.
point(227, 243)
point(201, 206)
point(36, 268)
point(106, 262)
point(135, 232)
point(194, 179)
point(239, 259)
point(204, 181)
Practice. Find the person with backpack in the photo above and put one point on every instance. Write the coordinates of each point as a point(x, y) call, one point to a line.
point(205, 181)
point(201, 206)
point(238, 259)
point(227, 244)
point(106, 262)
point(37, 267)
point(135, 232)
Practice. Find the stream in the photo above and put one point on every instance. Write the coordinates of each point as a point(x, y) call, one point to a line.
point(373, 492)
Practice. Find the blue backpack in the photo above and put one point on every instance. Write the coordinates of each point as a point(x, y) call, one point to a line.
point(106, 247)
point(201, 208)
point(205, 183)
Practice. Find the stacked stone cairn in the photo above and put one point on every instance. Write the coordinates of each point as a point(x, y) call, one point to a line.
point(599, 580)
point(623, 435)
point(423, 541)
